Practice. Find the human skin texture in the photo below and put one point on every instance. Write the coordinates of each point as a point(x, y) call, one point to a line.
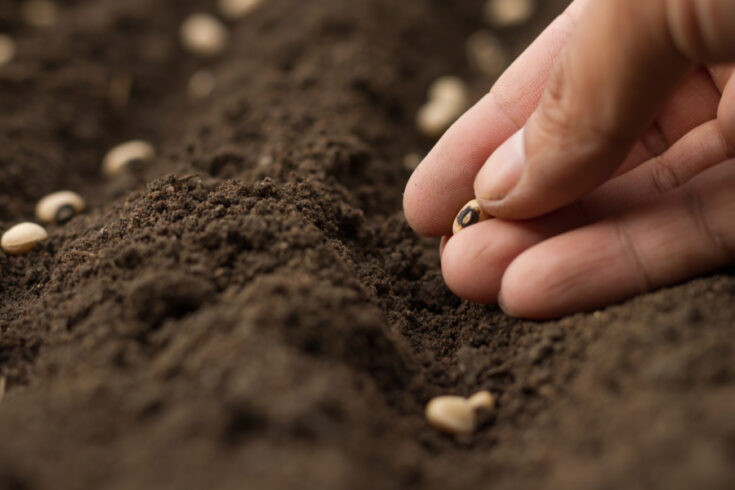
point(604, 153)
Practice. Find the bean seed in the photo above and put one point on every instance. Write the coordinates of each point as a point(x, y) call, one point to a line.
point(236, 9)
point(451, 414)
point(448, 98)
point(203, 35)
point(59, 207)
point(482, 400)
point(509, 13)
point(470, 214)
point(486, 53)
point(127, 155)
point(39, 13)
point(7, 49)
point(22, 238)
point(201, 84)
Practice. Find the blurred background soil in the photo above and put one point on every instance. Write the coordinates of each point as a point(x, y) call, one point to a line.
point(252, 311)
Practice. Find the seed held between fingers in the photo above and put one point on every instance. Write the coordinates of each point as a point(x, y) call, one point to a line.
point(125, 156)
point(59, 207)
point(22, 238)
point(470, 214)
point(451, 414)
point(203, 35)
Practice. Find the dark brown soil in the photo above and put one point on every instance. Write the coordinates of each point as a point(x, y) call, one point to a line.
point(252, 311)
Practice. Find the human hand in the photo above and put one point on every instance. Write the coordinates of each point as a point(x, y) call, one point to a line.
point(621, 180)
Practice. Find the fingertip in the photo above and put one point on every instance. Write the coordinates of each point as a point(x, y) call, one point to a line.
point(470, 268)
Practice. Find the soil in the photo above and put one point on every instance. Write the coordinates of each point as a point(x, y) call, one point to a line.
point(252, 311)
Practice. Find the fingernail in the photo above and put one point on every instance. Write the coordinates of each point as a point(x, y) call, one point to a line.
point(502, 170)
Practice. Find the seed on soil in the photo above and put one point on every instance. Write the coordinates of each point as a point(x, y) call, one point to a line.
point(485, 53)
point(39, 13)
point(3, 382)
point(509, 13)
point(482, 400)
point(451, 414)
point(59, 207)
point(7, 49)
point(203, 35)
point(470, 214)
point(124, 157)
point(201, 84)
point(448, 98)
point(22, 238)
point(236, 9)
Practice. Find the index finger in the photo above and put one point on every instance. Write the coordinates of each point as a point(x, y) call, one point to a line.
point(443, 181)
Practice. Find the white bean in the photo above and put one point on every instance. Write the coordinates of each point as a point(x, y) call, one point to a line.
point(451, 414)
point(122, 157)
point(485, 52)
point(22, 238)
point(59, 207)
point(509, 13)
point(203, 35)
point(482, 400)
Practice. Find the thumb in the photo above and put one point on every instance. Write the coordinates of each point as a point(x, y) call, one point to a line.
point(623, 61)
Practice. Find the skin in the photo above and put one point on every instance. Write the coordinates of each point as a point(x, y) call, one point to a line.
point(627, 176)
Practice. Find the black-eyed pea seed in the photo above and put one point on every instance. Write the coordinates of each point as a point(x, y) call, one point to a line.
point(451, 414)
point(203, 35)
point(59, 207)
point(448, 98)
point(236, 9)
point(482, 400)
point(449, 89)
point(485, 52)
point(7, 49)
point(22, 238)
point(470, 214)
point(509, 13)
point(124, 157)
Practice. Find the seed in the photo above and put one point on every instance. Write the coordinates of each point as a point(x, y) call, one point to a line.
point(508, 13)
point(203, 35)
point(481, 400)
point(22, 238)
point(39, 13)
point(201, 84)
point(59, 207)
point(7, 49)
point(124, 157)
point(236, 9)
point(451, 414)
point(486, 53)
point(471, 214)
point(2, 387)
point(450, 89)
point(447, 100)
